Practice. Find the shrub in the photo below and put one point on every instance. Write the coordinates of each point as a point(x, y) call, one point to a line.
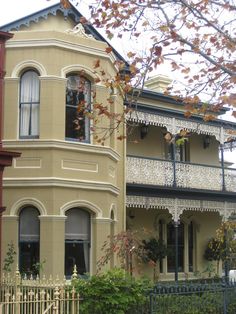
point(113, 292)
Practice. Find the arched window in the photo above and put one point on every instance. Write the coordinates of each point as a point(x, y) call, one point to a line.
point(78, 104)
point(29, 104)
point(77, 241)
point(29, 240)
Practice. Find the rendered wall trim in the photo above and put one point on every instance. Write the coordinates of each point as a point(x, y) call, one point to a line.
point(26, 64)
point(66, 145)
point(16, 207)
point(60, 182)
point(82, 204)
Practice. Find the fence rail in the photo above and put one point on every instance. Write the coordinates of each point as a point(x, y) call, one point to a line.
point(194, 298)
point(39, 296)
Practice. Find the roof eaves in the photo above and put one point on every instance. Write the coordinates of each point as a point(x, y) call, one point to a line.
point(52, 10)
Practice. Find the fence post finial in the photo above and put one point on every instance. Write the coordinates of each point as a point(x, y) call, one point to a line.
point(74, 275)
point(18, 276)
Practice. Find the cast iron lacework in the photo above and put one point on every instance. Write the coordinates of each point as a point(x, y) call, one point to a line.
point(177, 206)
point(161, 172)
point(175, 125)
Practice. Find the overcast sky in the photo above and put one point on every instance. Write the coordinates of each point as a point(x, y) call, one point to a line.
point(11, 10)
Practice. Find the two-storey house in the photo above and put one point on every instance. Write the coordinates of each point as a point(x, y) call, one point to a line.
point(181, 192)
point(67, 193)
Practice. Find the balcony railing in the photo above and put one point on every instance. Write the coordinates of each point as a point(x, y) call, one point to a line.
point(179, 174)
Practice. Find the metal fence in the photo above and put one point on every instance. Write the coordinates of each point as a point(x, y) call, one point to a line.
point(37, 296)
point(216, 297)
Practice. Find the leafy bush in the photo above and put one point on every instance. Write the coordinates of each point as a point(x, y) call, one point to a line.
point(112, 292)
point(10, 257)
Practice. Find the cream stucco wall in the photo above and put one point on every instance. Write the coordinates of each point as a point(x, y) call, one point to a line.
point(154, 145)
point(205, 225)
point(53, 174)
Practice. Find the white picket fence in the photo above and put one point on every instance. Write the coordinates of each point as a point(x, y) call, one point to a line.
point(37, 296)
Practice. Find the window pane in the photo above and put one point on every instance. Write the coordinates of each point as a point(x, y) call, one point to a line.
point(181, 151)
point(28, 240)
point(161, 224)
point(190, 246)
point(77, 224)
point(29, 104)
point(76, 254)
point(171, 247)
point(29, 256)
point(29, 225)
point(29, 87)
point(77, 241)
point(78, 101)
point(25, 119)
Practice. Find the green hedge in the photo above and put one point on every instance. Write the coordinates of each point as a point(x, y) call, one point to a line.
point(112, 292)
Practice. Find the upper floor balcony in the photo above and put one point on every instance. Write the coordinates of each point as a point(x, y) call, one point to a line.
point(166, 173)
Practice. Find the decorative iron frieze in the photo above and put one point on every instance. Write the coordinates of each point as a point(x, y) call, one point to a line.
point(177, 206)
point(175, 125)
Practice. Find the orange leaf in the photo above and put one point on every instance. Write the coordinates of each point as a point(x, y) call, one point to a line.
point(83, 20)
point(66, 4)
point(96, 64)
point(108, 50)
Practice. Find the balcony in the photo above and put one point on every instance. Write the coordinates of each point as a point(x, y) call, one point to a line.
point(167, 173)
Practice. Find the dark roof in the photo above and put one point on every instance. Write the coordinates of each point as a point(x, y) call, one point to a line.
point(180, 114)
point(71, 12)
point(177, 112)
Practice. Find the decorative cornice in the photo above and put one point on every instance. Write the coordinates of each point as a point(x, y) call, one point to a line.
point(79, 31)
point(60, 182)
point(177, 206)
point(72, 13)
point(52, 42)
point(73, 146)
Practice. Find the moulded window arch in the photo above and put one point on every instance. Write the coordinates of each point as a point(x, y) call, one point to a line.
point(77, 241)
point(78, 105)
point(29, 238)
point(29, 104)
